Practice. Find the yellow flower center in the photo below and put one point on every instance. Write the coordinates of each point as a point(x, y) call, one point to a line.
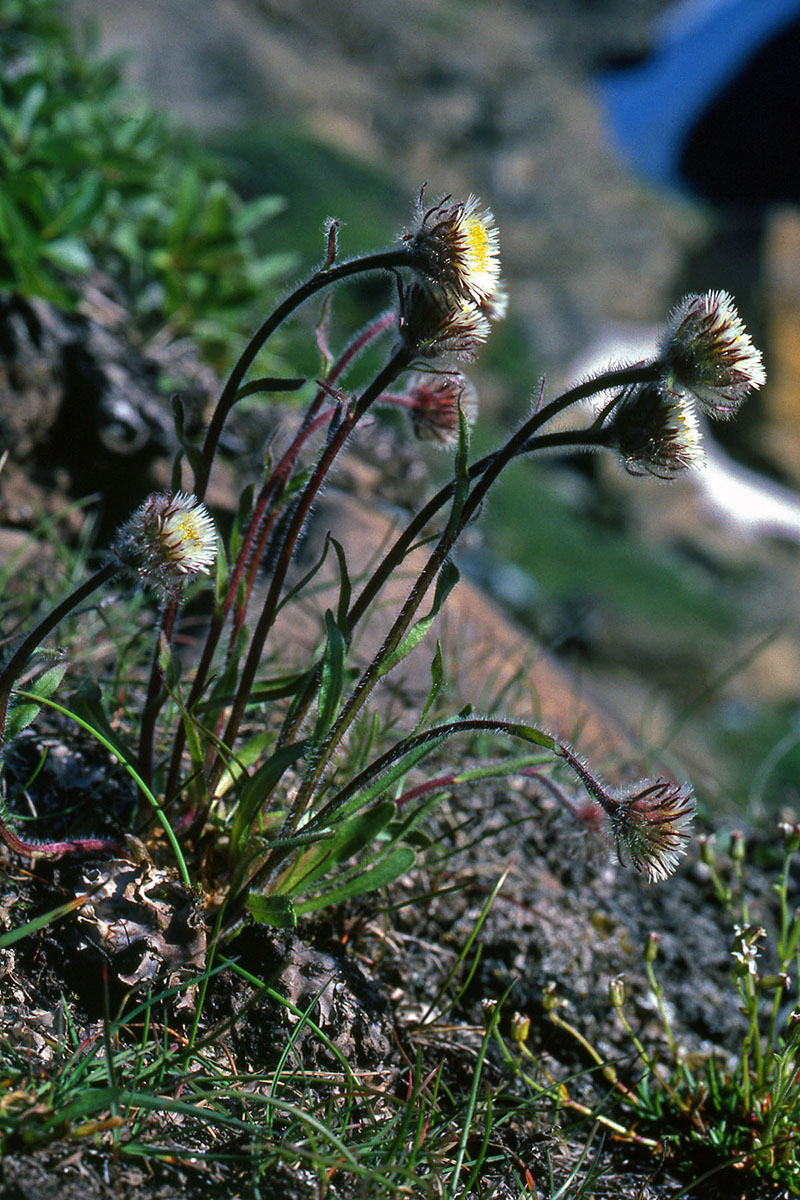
point(189, 530)
point(478, 244)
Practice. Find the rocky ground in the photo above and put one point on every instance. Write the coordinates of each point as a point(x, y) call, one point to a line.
point(493, 99)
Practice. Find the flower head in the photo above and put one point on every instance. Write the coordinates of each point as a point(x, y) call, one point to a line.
point(167, 540)
point(656, 431)
point(456, 244)
point(649, 821)
point(650, 825)
point(434, 402)
point(434, 322)
point(709, 353)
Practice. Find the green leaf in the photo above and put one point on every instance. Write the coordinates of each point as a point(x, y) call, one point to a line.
point(86, 702)
point(257, 212)
point(75, 215)
point(69, 253)
point(259, 787)
point(345, 587)
point(48, 918)
point(31, 103)
point(278, 911)
point(395, 864)
point(332, 680)
point(244, 512)
point(249, 753)
point(448, 578)
point(220, 573)
point(349, 838)
point(309, 575)
point(22, 713)
point(437, 683)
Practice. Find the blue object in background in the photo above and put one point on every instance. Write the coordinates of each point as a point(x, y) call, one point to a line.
point(716, 107)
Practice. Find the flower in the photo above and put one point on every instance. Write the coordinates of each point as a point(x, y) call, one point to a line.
point(656, 431)
point(167, 540)
point(433, 323)
point(746, 949)
point(709, 353)
point(457, 245)
point(649, 821)
point(433, 402)
point(650, 825)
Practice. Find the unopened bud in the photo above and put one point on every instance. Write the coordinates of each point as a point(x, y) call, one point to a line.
point(791, 836)
point(771, 983)
point(616, 991)
point(707, 854)
point(737, 846)
point(520, 1028)
point(550, 1001)
point(488, 1009)
point(651, 949)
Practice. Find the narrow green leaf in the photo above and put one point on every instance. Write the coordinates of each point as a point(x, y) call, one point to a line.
point(437, 683)
point(382, 873)
point(79, 209)
point(244, 511)
point(278, 911)
point(259, 787)
point(48, 918)
point(448, 578)
point(257, 212)
point(349, 837)
point(28, 109)
point(309, 575)
point(22, 713)
point(68, 253)
point(332, 679)
point(345, 587)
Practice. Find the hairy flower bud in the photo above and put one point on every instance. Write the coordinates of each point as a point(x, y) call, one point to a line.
point(434, 323)
point(709, 353)
point(649, 821)
point(433, 402)
point(167, 540)
point(656, 431)
point(456, 244)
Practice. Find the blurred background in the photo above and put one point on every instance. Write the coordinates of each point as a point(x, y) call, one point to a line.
point(679, 604)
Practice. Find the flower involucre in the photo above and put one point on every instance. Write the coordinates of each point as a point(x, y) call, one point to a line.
point(434, 322)
point(434, 404)
point(169, 538)
point(656, 431)
point(649, 821)
point(456, 244)
point(650, 825)
point(709, 353)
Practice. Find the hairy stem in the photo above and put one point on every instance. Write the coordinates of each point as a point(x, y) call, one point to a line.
point(319, 280)
point(397, 363)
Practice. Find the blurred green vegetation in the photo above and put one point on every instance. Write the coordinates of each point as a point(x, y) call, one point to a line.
point(92, 179)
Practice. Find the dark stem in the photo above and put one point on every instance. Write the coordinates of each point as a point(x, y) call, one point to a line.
point(524, 444)
point(397, 363)
point(270, 493)
point(16, 664)
point(154, 697)
point(489, 469)
point(319, 280)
